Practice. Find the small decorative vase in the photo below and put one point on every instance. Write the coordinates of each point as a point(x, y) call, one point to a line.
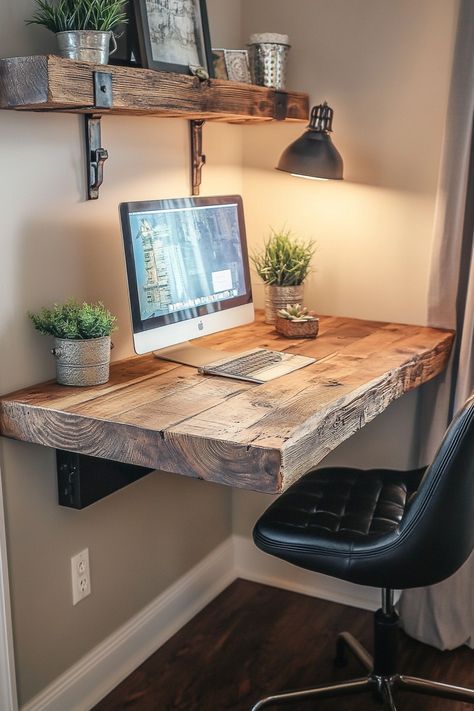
point(82, 362)
point(279, 297)
point(297, 329)
point(86, 45)
point(268, 54)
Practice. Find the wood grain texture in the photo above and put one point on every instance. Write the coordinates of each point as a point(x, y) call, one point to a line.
point(165, 416)
point(53, 83)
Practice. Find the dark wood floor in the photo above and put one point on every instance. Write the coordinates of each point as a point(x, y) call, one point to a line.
point(254, 639)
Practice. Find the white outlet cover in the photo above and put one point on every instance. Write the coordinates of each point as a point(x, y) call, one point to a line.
point(80, 576)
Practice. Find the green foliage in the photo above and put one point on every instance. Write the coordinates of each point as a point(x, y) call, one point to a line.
point(74, 321)
point(285, 260)
point(296, 313)
point(67, 15)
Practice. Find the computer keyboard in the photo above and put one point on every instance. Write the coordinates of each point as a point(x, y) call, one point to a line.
point(258, 365)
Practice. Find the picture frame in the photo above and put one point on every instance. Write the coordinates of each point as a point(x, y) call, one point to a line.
point(173, 35)
point(218, 59)
point(126, 36)
point(237, 65)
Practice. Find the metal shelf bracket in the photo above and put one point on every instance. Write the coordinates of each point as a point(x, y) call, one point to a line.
point(95, 155)
point(198, 159)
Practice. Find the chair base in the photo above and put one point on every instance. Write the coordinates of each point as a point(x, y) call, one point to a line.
point(382, 684)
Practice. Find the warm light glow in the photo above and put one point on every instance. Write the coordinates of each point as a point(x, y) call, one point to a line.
point(308, 177)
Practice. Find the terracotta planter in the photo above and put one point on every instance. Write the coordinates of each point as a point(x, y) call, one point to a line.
point(297, 329)
point(279, 297)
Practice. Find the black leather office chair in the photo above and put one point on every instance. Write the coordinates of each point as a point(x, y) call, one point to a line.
point(382, 528)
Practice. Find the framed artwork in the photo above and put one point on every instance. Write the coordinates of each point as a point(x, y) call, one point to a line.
point(237, 65)
point(218, 59)
point(128, 51)
point(173, 35)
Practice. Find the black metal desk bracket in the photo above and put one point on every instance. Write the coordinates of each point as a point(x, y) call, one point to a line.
point(83, 480)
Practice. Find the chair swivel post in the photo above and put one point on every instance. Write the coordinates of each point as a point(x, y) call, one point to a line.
point(386, 637)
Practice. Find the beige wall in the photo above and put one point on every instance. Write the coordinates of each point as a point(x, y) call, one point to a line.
point(53, 245)
point(384, 67)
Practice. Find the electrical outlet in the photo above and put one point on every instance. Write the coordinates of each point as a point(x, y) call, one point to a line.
point(81, 576)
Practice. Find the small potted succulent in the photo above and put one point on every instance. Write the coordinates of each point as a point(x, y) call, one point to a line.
point(296, 322)
point(283, 265)
point(83, 28)
point(82, 341)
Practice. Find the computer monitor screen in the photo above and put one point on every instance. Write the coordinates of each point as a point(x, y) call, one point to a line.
point(187, 268)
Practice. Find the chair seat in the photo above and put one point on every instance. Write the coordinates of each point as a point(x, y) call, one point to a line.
point(332, 518)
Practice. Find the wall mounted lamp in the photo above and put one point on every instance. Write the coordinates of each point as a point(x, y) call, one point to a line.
point(314, 155)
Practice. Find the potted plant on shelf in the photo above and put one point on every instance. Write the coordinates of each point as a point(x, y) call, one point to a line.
point(283, 265)
point(84, 28)
point(82, 341)
point(296, 322)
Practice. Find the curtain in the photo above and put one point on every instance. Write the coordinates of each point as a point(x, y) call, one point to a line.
point(443, 614)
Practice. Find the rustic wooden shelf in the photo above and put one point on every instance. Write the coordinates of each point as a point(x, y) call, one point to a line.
point(51, 83)
point(160, 415)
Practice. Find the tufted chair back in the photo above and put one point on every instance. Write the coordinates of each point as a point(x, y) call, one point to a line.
point(438, 525)
point(436, 533)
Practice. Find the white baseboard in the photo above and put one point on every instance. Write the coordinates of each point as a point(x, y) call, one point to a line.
point(252, 564)
point(96, 674)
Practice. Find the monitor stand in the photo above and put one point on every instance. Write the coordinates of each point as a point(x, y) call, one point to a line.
point(188, 354)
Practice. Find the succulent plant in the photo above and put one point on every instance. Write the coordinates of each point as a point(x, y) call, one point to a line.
point(296, 313)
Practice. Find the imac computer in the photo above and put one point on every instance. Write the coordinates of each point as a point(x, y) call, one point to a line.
point(188, 273)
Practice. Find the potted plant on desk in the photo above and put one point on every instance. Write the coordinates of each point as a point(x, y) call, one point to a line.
point(283, 265)
point(296, 322)
point(82, 341)
point(83, 28)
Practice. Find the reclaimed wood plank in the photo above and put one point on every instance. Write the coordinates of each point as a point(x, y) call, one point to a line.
point(223, 462)
point(54, 83)
point(160, 415)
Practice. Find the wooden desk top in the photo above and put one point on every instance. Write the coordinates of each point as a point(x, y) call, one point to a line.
point(263, 437)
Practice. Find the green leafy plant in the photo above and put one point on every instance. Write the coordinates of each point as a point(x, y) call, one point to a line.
point(296, 313)
point(69, 15)
point(74, 321)
point(285, 260)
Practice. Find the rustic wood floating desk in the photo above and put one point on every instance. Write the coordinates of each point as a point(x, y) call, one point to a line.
point(159, 415)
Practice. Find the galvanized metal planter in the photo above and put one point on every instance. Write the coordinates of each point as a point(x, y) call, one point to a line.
point(278, 297)
point(82, 362)
point(268, 54)
point(86, 45)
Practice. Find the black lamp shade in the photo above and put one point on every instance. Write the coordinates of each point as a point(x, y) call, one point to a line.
point(314, 155)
